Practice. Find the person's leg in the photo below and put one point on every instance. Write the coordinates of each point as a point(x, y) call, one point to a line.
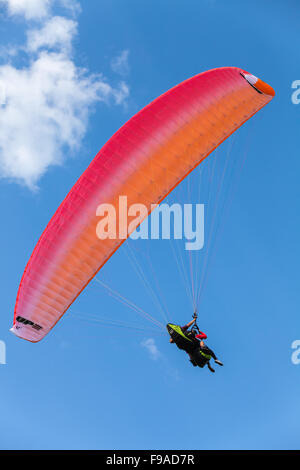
point(219, 362)
point(210, 352)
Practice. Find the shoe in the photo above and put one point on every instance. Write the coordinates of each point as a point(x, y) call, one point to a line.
point(219, 362)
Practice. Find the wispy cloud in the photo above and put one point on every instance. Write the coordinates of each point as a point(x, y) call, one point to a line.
point(38, 9)
point(30, 9)
point(57, 33)
point(45, 105)
point(73, 6)
point(120, 63)
point(155, 355)
point(150, 346)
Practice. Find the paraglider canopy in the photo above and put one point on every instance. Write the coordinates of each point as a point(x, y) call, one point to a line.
point(145, 160)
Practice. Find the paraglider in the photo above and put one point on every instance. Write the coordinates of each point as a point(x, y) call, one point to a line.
point(191, 341)
point(144, 160)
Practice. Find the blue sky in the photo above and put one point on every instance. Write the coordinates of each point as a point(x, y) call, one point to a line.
point(90, 385)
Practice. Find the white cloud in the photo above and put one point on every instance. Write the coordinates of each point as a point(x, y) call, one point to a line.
point(72, 5)
point(31, 9)
point(39, 9)
point(120, 63)
point(45, 105)
point(46, 108)
point(152, 349)
point(58, 32)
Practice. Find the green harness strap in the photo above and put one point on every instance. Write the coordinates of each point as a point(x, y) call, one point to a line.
point(207, 356)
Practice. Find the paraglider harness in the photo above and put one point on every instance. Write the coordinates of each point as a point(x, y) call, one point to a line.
point(183, 341)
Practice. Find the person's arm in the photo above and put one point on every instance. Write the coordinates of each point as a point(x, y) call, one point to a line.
point(185, 327)
point(201, 335)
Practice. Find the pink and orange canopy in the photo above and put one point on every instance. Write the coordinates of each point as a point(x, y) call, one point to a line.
point(143, 160)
